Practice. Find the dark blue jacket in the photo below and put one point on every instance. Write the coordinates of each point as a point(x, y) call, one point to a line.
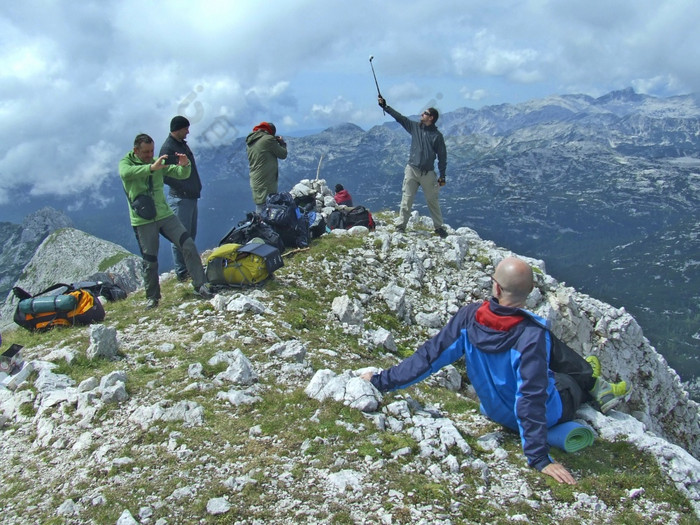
point(507, 354)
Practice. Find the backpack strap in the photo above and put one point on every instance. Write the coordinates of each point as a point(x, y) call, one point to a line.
point(20, 293)
point(57, 286)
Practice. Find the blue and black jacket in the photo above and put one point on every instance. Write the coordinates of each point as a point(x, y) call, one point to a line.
point(507, 352)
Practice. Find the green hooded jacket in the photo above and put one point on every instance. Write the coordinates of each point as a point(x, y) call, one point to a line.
point(135, 173)
point(263, 152)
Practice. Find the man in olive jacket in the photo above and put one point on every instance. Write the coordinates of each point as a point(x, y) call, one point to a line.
point(141, 174)
point(264, 148)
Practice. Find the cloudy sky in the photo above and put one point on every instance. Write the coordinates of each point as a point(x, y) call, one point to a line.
point(79, 80)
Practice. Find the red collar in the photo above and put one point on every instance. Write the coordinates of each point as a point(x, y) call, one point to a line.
point(503, 323)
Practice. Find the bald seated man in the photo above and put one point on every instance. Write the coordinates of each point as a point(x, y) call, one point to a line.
point(526, 379)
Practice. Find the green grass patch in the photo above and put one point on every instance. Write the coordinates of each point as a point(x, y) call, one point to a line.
point(107, 263)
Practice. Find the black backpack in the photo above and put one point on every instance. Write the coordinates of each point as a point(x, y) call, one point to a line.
point(283, 215)
point(280, 210)
point(347, 218)
point(253, 227)
point(108, 290)
point(306, 202)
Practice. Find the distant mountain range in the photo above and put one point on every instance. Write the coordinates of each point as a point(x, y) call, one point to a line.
point(606, 190)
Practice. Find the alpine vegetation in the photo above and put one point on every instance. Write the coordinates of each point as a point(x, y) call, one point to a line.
point(249, 408)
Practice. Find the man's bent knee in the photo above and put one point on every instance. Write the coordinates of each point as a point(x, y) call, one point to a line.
point(184, 238)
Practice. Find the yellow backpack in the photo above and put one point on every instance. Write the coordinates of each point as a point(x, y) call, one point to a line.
point(242, 265)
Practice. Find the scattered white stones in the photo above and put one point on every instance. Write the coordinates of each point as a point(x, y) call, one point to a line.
point(429, 319)
point(244, 304)
point(238, 397)
point(239, 371)
point(347, 388)
point(189, 412)
point(347, 310)
point(103, 342)
point(48, 381)
point(216, 506)
point(126, 518)
point(395, 298)
point(293, 350)
point(59, 354)
point(345, 480)
point(382, 338)
point(67, 508)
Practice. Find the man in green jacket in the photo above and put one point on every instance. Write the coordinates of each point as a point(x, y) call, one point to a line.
point(264, 148)
point(140, 175)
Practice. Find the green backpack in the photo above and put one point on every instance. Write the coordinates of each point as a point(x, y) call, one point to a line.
point(242, 265)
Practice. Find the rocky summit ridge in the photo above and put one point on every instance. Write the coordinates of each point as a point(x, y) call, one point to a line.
point(247, 408)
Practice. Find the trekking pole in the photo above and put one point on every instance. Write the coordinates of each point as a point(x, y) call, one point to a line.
point(371, 57)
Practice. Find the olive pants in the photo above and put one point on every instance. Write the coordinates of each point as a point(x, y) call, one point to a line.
point(412, 179)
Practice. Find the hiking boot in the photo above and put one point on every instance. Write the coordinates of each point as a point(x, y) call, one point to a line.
point(441, 232)
point(400, 228)
point(151, 304)
point(595, 365)
point(204, 292)
point(182, 277)
point(608, 395)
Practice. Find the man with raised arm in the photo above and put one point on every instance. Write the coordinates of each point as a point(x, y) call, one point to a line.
point(427, 143)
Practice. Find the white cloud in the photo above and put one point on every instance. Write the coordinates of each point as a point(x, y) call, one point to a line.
point(27, 64)
point(288, 122)
point(338, 108)
point(476, 94)
point(486, 55)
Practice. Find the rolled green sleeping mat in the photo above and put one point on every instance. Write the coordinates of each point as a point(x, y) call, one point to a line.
point(49, 303)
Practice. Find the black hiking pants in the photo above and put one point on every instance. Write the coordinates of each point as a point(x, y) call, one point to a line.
point(172, 229)
point(573, 377)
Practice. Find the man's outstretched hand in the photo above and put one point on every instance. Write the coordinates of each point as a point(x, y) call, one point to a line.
point(559, 472)
point(381, 102)
point(182, 159)
point(159, 163)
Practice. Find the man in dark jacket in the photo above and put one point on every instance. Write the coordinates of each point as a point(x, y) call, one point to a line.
point(526, 379)
point(184, 193)
point(426, 144)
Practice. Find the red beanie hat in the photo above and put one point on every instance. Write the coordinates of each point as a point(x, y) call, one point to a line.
point(269, 127)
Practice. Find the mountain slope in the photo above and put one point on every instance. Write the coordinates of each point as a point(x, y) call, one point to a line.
point(18, 242)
